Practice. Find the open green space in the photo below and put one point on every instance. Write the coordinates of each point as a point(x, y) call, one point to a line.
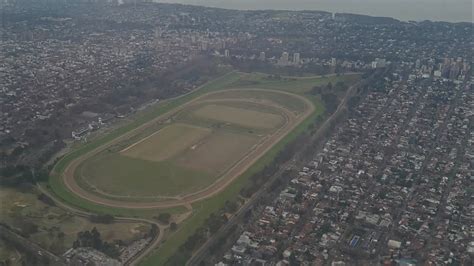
point(56, 184)
point(124, 176)
point(54, 228)
point(202, 209)
point(165, 143)
point(291, 103)
point(180, 158)
point(239, 116)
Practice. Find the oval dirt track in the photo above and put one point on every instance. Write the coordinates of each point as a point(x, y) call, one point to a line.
point(220, 184)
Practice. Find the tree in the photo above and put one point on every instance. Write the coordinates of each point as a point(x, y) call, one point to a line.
point(93, 239)
point(102, 218)
point(173, 226)
point(231, 206)
point(164, 217)
point(316, 90)
point(329, 87)
point(154, 231)
point(46, 199)
point(331, 102)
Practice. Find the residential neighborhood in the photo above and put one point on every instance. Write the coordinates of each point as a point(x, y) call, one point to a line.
point(392, 185)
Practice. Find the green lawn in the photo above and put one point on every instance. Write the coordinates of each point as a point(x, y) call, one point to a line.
point(292, 103)
point(298, 85)
point(21, 206)
point(55, 182)
point(203, 209)
point(163, 164)
point(125, 176)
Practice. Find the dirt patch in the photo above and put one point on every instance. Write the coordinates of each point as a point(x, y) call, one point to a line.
point(218, 152)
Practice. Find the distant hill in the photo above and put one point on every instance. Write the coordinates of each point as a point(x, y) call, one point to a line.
point(364, 19)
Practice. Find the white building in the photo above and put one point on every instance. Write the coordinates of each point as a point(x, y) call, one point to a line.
point(296, 58)
point(284, 59)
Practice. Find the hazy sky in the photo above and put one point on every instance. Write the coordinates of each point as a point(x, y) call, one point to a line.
point(444, 10)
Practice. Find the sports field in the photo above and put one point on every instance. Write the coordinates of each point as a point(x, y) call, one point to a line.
point(194, 152)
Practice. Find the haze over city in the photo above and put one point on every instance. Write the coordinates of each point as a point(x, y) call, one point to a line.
point(262, 133)
point(436, 10)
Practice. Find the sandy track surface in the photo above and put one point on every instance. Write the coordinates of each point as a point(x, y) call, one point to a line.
point(219, 185)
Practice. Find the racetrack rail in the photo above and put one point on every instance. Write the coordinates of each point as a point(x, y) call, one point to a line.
point(69, 180)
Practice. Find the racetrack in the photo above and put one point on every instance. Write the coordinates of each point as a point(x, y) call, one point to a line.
point(292, 119)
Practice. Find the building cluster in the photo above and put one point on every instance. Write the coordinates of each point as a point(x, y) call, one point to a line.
point(447, 68)
point(89, 256)
point(130, 251)
point(356, 42)
point(95, 56)
point(284, 59)
point(56, 68)
point(393, 185)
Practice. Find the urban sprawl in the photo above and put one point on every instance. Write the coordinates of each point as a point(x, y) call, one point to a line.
point(392, 184)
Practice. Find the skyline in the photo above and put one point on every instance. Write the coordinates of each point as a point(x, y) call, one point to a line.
point(418, 10)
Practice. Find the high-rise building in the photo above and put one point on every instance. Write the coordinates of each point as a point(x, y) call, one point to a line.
point(333, 62)
point(296, 58)
point(417, 63)
point(226, 53)
point(379, 63)
point(204, 46)
point(284, 58)
point(262, 56)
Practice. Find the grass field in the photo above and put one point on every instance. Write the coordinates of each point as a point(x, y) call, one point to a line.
point(184, 156)
point(205, 208)
point(292, 104)
point(120, 175)
point(10, 254)
point(57, 228)
point(56, 184)
point(239, 116)
point(166, 143)
point(202, 209)
point(231, 79)
point(218, 153)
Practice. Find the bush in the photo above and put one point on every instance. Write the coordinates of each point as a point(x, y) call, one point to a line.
point(173, 226)
point(102, 218)
point(164, 217)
